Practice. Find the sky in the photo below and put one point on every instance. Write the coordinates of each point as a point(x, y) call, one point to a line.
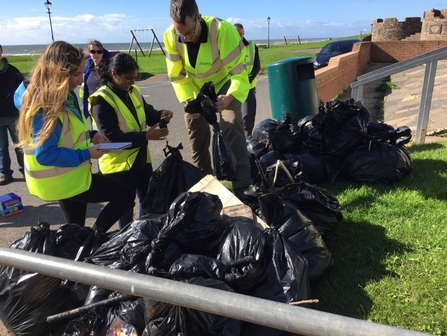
point(110, 21)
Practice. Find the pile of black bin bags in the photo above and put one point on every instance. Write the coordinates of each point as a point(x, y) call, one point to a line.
point(339, 141)
point(193, 243)
point(185, 237)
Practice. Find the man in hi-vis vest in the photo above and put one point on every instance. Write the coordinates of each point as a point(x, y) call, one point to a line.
point(253, 65)
point(202, 49)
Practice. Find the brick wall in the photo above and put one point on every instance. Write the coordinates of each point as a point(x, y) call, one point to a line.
point(341, 71)
point(395, 51)
point(344, 69)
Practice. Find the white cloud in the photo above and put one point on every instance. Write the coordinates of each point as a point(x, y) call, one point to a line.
point(77, 29)
point(110, 28)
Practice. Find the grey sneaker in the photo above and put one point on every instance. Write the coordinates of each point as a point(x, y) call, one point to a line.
point(5, 179)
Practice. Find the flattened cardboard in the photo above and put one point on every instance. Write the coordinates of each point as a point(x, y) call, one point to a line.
point(232, 205)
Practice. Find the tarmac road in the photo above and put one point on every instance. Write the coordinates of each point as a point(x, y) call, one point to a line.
point(158, 92)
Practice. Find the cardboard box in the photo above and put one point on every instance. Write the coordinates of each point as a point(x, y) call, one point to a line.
point(10, 204)
point(232, 206)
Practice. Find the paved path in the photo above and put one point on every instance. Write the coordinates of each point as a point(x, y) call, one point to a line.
point(402, 105)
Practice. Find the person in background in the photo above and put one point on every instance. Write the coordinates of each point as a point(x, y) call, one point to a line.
point(122, 115)
point(253, 65)
point(10, 79)
point(92, 79)
point(54, 134)
point(202, 49)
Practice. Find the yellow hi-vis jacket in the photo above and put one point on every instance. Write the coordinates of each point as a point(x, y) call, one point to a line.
point(249, 60)
point(123, 160)
point(219, 59)
point(51, 183)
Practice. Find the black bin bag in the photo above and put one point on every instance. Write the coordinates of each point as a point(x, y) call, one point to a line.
point(301, 233)
point(223, 157)
point(242, 249)
point(316, 203)
point(377, 162)
point(280, 135)
point(170, 320)
point(128, 246)
point(285, 279)
point(193, 225)
point(173, 177)
point(27, 299)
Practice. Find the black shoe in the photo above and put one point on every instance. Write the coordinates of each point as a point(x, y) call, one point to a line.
point(5, 179)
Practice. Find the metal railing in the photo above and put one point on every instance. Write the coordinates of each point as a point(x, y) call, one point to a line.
point(268, 313)
point(431, 60)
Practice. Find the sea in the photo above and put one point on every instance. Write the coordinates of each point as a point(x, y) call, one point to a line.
point(37, 49)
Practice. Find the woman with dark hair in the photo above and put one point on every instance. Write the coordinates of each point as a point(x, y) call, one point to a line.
point(58, 146)
point(92, 79)
point(122, 115)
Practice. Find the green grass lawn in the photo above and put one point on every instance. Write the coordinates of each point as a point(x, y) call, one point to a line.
point(390, 251)
point(156, 64)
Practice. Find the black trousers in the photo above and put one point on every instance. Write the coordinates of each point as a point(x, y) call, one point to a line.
point(249, 110)
point(138, 179)
point(119, 196)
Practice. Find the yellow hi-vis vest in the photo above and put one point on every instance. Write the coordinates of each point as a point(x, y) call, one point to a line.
point(51, 183)
point(115, 162)
point(250, 51)
point(219, 59)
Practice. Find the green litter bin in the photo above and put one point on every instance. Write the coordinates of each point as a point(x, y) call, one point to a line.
point(293, 88)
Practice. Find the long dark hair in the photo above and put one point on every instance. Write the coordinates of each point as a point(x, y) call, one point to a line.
point(120, 63)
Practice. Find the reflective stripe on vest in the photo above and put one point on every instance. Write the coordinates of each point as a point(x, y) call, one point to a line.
point(251, 47)
point(123, 160)
point(52, 183)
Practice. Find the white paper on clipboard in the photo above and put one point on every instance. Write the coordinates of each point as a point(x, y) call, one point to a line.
point(114, 146)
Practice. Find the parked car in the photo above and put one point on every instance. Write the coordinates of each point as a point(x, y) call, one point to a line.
point(333, 49)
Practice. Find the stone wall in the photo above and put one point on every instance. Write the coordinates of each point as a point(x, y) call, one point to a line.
point(393, 30)
point(434, 25)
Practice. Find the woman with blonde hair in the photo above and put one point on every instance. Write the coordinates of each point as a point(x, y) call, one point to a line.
point(57, 143)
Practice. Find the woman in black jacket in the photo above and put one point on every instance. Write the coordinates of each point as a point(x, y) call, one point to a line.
point(121, 113)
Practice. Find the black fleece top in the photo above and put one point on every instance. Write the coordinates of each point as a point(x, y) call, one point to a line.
point(10, 79)
point(107, 122)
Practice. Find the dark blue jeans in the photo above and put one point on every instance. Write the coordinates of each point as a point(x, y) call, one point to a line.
point(138, 179)
point(8, 124)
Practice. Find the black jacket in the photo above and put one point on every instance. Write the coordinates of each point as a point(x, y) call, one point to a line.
point(107, 122)
point(10, 79)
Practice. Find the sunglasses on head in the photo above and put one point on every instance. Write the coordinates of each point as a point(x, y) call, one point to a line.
point(95, 51)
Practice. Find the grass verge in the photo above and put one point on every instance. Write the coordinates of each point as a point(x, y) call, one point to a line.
point(390, 248)
point(156, 64)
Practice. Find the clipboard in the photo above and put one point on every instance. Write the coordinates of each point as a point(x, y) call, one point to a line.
point(114, 146)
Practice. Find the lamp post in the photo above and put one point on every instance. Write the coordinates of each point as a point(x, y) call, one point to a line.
point(48, 6)
point(268, 32)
